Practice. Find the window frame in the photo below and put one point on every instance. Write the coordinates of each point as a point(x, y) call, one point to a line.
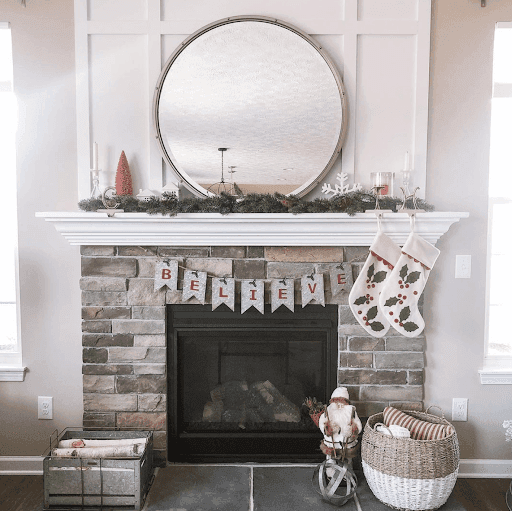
point(11, 365)
point(497, 370)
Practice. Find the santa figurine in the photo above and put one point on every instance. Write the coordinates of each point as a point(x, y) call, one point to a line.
point(339, 424)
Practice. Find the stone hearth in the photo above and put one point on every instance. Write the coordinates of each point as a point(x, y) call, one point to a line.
point(124, 330)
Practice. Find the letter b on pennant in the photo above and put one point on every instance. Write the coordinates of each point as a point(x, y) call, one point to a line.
point(166, 274)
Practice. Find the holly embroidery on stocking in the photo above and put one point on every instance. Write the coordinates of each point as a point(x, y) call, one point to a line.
point(406, 279)
point(376, 326)
point(372, 279)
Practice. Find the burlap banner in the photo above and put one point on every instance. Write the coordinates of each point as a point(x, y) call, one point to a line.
point(166, 274)
point(253, 295)
point(194, 285)
point(312, 287)
point(282, 292)
point(223, 291)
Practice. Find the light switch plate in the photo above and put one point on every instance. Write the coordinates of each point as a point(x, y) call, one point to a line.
point(462, 266)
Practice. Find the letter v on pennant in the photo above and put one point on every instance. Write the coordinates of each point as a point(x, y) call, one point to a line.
point(312, 287)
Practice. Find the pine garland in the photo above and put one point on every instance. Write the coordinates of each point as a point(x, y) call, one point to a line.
point(350, 203)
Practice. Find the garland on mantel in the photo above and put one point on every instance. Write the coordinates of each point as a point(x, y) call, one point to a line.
point(350, 203)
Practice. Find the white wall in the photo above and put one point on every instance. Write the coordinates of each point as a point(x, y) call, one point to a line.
point(44, 82)
point(457, 180)
point(459, 120)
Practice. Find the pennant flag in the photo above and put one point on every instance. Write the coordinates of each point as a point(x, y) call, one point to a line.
point(194, 284)
point(312, 288)
point(341, 278)
point(282, 293)
point(166, 274)
point(223, 291)
point(253, 295)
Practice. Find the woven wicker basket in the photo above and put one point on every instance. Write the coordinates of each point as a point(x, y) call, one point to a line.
point(406, 474)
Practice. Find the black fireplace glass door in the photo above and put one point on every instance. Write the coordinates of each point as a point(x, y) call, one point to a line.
point(237, 382)
point(249, 380)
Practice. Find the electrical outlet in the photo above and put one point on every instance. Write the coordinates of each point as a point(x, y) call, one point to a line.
point(460, 409)
point(463, 267)
point(45, 407)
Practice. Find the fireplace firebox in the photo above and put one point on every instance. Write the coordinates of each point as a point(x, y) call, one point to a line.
point(236, 382)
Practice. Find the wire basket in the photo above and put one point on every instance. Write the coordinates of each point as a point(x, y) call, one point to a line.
point(406, 474)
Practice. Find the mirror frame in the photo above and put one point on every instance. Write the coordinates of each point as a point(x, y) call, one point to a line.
point(182, 176)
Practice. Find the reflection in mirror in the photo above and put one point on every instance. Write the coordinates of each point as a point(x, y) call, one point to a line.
point(263, 90)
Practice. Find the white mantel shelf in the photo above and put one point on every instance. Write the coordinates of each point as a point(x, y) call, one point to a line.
point(248, 229)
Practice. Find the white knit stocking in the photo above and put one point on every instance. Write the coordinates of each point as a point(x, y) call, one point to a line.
point(398, 301)
point(364, 295)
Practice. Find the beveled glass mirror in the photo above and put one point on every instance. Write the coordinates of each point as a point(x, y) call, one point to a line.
point(264, 92)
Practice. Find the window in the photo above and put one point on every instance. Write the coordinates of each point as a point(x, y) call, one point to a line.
point(10, 346)
point(498, 349)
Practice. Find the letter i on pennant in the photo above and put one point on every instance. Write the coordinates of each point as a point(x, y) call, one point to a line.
point(253, 295)
point(223, 291)
point(166, 274)
point(312, 287)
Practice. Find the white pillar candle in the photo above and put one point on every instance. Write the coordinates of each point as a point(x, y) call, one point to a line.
point(95, 156)
point(406, 161)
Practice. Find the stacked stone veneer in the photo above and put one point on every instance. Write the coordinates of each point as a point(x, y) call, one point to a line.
point(124, 331)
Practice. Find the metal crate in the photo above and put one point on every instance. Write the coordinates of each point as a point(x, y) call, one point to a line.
point(98, 483)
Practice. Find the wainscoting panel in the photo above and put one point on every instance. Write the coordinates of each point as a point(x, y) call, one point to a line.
point(153, 28)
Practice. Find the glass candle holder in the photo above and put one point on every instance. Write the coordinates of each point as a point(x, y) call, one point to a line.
point(95, 191)
point(385, 180)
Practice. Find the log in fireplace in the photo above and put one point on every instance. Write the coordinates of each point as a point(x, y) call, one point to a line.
point(236, 382)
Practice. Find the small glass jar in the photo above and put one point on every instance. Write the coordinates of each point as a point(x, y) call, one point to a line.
point(385, 180)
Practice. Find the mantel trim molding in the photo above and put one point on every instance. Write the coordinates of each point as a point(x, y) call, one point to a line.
point(249, 229)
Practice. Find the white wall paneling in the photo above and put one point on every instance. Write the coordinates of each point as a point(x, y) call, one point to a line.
point(120, 120)
point(293, 11)
point(381, 50)
point(117, 10)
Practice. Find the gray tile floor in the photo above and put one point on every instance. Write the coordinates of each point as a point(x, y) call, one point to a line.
point(251, 488)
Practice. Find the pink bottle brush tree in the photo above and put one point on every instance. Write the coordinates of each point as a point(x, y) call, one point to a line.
point(124, 184)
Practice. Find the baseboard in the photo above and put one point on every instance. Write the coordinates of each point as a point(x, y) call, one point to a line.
point(21, 465)
point(485, 469)
point(33, 465)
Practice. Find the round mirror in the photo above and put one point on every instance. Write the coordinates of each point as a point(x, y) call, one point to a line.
point(250, 105)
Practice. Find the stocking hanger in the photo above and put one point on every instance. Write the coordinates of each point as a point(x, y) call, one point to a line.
point(378, 212)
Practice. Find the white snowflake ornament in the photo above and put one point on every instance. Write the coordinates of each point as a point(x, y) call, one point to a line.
point(342, 187)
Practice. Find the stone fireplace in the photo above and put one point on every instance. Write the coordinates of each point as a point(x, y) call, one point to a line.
point(125, 370)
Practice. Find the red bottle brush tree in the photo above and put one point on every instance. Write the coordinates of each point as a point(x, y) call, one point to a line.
point(124, 184)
